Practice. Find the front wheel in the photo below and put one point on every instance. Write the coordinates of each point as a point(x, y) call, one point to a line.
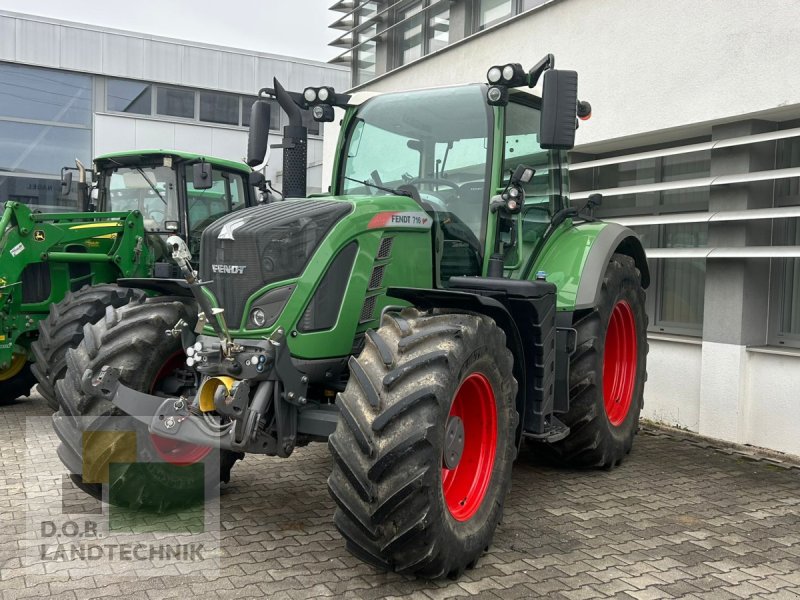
point(607, 373)
point(63, 329)
point(100, 446)
point(425, 443)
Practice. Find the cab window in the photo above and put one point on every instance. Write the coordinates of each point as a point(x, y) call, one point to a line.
point(226, 194)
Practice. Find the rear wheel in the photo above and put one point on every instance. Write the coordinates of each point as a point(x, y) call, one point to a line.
point(133, 340)
point(63, 329)
point(425, 443)
point(16, 380)
point(607, 373)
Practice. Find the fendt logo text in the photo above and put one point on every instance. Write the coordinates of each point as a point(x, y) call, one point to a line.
point(229, 269)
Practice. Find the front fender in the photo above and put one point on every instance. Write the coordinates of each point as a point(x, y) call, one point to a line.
point(575, 259)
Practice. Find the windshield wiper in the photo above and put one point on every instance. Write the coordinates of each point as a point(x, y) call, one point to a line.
point(150, 183)
point(380, 187)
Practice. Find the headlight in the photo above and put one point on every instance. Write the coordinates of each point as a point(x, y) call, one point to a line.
point(268, 307)
point(258, 317)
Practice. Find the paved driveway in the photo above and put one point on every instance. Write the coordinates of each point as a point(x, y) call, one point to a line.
point(676, 520)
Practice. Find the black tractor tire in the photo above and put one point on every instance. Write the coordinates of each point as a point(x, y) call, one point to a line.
point(388, 472)
point(17, 386)
point(601, 436)
point(133, 340)
point(62, 329)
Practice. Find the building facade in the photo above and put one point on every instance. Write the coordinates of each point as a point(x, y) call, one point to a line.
point(69, 90)
point(694, 142)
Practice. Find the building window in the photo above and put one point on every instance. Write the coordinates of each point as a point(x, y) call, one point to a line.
point(491, 12)
point(675, 297)
point(438, 35)
point(45, 95)
point(366, 47)
point(785, 291)
point(45, 121)
point(274, 112)
point(409, 31)
point(789, 299)
point(172, 102)
point(421, 28)
point(219, 108)
point(528, 4)
point(134, 97)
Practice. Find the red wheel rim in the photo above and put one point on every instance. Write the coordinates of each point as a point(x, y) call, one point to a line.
point(465, 485)
point(173, 451)
point(619, 363)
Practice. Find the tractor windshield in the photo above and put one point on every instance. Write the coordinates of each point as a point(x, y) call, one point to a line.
point(150, 190)
point(434, 140)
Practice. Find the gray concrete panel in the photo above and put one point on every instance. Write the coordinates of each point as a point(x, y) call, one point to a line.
point(737, 290)
point(200, 67)
point(163, 61)
point(237, 73)
point(8, 36)
point(123, 56)
point(81, 49)
point(38, 43)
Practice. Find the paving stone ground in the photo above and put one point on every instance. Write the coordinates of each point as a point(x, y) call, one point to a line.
point(676, 520)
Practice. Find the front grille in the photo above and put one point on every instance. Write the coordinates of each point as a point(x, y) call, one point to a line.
point(269, 243)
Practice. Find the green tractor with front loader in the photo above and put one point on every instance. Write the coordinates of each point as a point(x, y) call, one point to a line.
point(441, 305)
point(58, 270)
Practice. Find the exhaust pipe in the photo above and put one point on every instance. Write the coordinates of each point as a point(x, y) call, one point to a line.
point(295, 146)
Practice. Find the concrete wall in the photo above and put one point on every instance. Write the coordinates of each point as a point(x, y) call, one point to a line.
point(669, 399)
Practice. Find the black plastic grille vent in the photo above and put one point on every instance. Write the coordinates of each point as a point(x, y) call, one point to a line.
point(376, 279)
point(326, 303)
point(385, 249)
point(269, 243)
point(368, 310)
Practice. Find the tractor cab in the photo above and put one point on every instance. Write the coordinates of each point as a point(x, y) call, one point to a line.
point(453, 152)
point(162, 186)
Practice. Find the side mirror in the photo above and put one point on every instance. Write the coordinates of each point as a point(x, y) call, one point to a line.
point(256, 179)
point(259, 133)
point(201, 176)
point(66, 182)
point(559, 110)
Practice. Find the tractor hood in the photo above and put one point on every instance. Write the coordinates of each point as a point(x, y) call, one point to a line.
point(246, 250)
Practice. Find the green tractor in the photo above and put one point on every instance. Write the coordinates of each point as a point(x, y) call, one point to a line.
point(440, 306)
point(58, 270)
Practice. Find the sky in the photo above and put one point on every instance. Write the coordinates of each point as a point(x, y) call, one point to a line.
point(291, 27)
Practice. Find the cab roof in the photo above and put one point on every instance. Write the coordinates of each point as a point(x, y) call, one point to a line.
point(133, 156)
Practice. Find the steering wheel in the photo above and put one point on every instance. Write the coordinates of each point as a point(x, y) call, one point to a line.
point(433, 181)
point(156, 215)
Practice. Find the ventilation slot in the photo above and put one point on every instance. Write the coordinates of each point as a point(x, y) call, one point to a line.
point(377, 277)
point(368, 310)
point(385, 249)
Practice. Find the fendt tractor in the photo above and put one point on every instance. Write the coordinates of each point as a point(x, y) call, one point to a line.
point(57, 270)
point(440, 305)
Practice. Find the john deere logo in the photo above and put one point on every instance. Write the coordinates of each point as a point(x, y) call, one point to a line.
point(38, 235)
